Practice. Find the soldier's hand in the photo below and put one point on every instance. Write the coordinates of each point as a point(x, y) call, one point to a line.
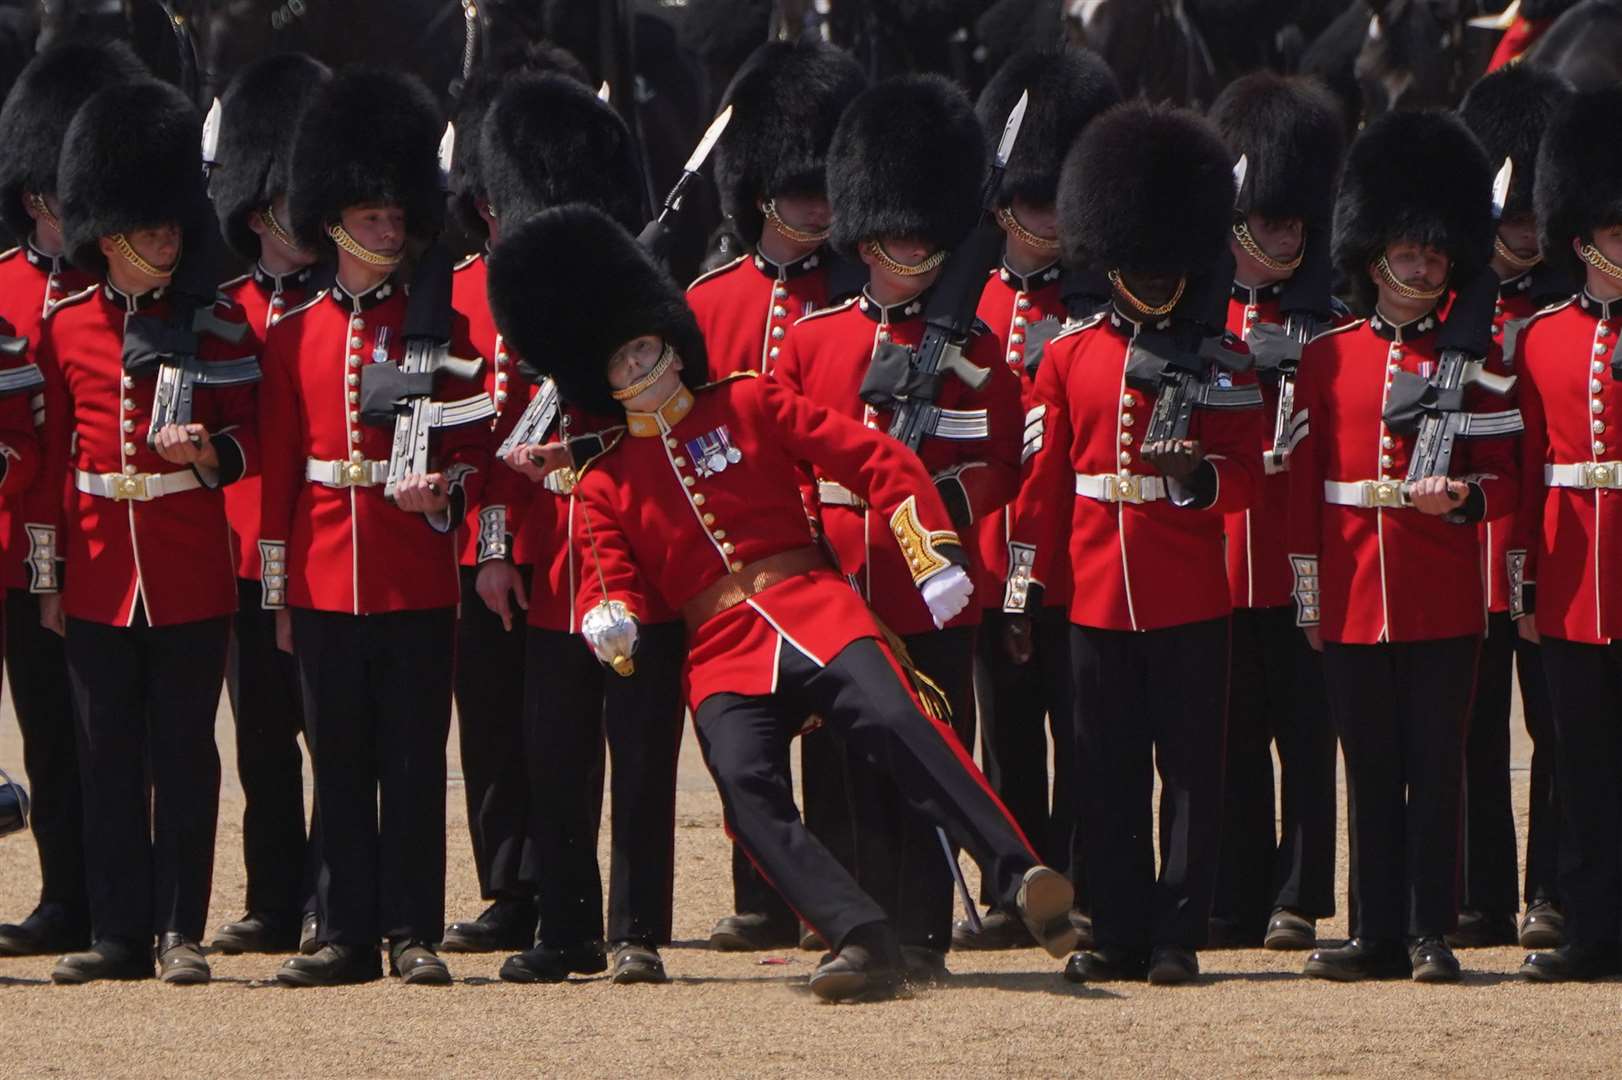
point(51, 615)
point(1527, 627)
point(423, 494)
point(284, 630)
point(1016, 638)
point(496, 580)
point(531, 460)
point(1314, 638)
point(186, 445)
point(1175, 458)
point(1437, 495)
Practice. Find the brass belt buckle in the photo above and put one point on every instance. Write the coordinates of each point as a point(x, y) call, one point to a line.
point(355, 474)
point(127, 488)
point(1384, 494)
point(1598, 474)
point(1127, 488)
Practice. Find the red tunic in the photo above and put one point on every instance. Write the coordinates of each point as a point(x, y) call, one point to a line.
point(348, 548)
point(171, 555)
point(1010, 306)
point(1385, 574)
point(29, 284)
point(263, 297)
point(1510, 315)
point(1572, 405)
point(825, 358)
point(665, 525)
point(1136, 566)
point(746, 307)
point(1258, 565)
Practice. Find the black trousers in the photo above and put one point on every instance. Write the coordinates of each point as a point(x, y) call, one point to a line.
point(1585, 690)
point(1148, 701)
point(377, 710)
point(861, 697)
point(1543, 804)
point(1401, 710)
point(1019, 706)
point(145, 699)
point(571, 705)
point(36, 664)
point(1276, 697)
point(489, 714)
point(262, 681)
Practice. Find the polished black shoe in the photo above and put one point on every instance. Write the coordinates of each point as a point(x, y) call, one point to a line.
point(1228, 934)
point(923, 966)
point(49, 928)
point(1044, 901)
point(1172, 965)
point(180, 962)
point(547, 965)
point(866, 969)
point(257, 932)
point(998, 930)
point(1358, 959)
point(1480, 930)
point(309, 934)
point(810, 940)
point(753, 932)
point(637, 963)
point(1432, 960)
point(416, 964)
point(109, 958)
point(1572, 962)
point(1543, 926)
point(333, 965)
point(1288, 930)
point(501, 927)
point(1107, 963)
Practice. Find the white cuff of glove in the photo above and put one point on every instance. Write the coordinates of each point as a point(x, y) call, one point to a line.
point(947, 594)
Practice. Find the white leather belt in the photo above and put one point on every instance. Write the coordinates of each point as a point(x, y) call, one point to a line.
point(1130, 488)
point(135, 487)
point(1587, 475)
point(1369, 494)
point(342, 474)
point(830, 493)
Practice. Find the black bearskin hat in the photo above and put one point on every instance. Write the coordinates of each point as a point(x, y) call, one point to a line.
point(570, 286)
point(1292, 137)
point(1579, 174)
point(1067, 90)
point(547, 140)
point(907, 159)
point(1418, 176)
point(1509, 110)
point(257, 118)
point(786, 101)
point(1146, 189)
point(467, 173)
point(367, 136)
point(38, 109)
point(131, 159)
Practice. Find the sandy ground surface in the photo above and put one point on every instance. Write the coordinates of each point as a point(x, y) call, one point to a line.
point(734, 1015)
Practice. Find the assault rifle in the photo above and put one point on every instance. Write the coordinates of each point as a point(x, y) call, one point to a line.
point(1276, 350)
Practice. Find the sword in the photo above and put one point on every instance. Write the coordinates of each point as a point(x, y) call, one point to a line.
point(653, 235)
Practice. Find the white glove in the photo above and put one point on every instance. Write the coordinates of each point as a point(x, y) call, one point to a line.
point(947, 594)
point(611, 631)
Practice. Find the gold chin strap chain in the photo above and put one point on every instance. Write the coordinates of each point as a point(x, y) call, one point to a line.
point(43, 209)
point(1403, 289)
point(131, 256)
point(1513, 259)
point(341, 237)
point(1010, 223)
point(666, 358)
point(1595, 258)
point(882, 257)
point(1148, 309)
point(1241, 232)
point(268, 217)
point(799, 236)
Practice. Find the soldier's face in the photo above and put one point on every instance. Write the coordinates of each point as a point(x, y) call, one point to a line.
point(807, 213)
point(1039, 219)
point(47, 222)
point(1519, 232)
point(1609, 242)
point(158, 245)
point(376, 228)
point(1152, 289)
point(908, 251)
point(1280, 238)
point(1417, 265)
point(633, 361)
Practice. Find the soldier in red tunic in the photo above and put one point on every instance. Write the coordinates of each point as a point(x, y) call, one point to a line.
point(34, 277)
point(369, 584)
point(249, 188)
point(1568, 522)
point(1388, 575)
point(1273, 884)
point(1018, 683)
point(1146, 196)
point(150, 581)
point(770, 172)
point(697, 508)
point(1509, 111)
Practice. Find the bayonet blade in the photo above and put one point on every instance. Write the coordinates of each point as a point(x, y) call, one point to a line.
point(711, 135)
point(1500, 187)
point(605, 93)
point(1010, 130)
point(447, 151)
point(1241, 169)
point(211, 133)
